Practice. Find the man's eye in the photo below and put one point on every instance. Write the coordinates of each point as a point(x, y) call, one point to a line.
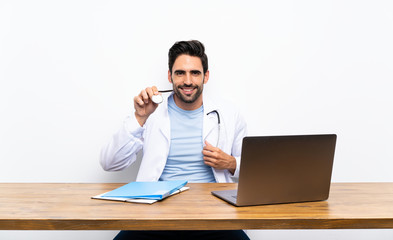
point(195, 72)
point(179, 73)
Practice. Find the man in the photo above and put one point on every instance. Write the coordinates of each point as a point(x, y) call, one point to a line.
point(187, 137)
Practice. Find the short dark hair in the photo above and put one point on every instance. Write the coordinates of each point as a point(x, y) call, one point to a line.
point(192, 48)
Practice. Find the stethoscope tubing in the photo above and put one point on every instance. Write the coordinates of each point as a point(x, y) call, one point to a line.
point(218, 123)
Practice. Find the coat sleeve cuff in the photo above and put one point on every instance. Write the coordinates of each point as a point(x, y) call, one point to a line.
point(237, 171)
point(132, 127)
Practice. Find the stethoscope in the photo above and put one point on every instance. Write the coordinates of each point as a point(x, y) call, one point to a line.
point(159, 99)
point(218, 125)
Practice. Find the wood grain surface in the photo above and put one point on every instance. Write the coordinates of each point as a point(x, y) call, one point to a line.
point(68, 206)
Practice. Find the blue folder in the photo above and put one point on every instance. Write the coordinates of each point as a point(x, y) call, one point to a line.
point(147, 190)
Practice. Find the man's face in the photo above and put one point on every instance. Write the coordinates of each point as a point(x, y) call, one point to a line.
point(187, 78)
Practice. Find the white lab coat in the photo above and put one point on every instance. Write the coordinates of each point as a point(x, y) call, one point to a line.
point(154, 139)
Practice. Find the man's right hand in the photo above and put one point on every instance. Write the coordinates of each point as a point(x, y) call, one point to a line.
point(143, 104)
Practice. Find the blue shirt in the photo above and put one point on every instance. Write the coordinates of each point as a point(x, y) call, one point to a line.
point(185, 158)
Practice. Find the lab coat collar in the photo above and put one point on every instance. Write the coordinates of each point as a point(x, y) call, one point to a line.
point(209, 120)
point(165, 127)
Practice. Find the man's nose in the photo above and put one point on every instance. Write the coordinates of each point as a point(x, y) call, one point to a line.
point(187, 79)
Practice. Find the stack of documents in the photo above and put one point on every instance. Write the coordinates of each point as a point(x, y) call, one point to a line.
point(144, 192)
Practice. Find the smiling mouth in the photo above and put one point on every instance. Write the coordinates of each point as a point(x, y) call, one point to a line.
point(187, 90)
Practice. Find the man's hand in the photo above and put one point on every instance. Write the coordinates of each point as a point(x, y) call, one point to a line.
point(216, 158)
point(143, 104)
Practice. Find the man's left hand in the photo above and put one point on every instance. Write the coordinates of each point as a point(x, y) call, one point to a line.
point(218, 159)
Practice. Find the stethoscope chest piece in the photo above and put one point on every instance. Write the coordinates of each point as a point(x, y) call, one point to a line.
point(157, 99)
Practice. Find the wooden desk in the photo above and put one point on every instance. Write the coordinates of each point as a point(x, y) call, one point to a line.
point(61, 206)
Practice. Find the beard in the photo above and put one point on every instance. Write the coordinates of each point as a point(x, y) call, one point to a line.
point(188, 98)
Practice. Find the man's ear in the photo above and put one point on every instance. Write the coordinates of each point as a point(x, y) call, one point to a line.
point(169, 76)
point(206, 78)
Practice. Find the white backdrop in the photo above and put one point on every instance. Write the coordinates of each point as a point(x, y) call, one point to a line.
point(69, 71)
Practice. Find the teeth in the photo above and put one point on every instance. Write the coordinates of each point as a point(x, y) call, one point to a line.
point(187, 90)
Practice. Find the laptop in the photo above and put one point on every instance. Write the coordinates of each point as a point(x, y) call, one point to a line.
point(283, 169)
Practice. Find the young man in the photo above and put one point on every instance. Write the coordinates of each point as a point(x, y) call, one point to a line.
point(188, 136)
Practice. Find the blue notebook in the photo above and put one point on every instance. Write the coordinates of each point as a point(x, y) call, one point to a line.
point(147, 190)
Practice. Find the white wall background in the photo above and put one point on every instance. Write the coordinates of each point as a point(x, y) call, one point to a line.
point(69, 71)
